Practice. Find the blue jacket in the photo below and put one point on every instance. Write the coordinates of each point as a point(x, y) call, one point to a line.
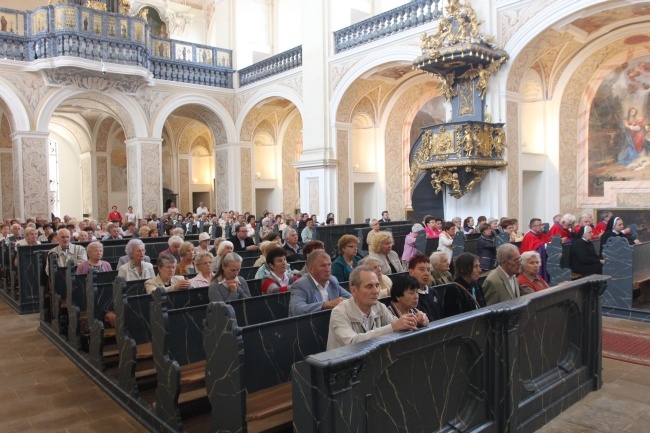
point(306, 298)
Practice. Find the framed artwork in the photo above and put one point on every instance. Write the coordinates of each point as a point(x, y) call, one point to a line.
point(12, 23)
point(138, 29)
point(204, 56)
point(85, 21)
point(97, 24)
point(183, 52)
point(111, 27)
point(161, 49)
point(39, 22)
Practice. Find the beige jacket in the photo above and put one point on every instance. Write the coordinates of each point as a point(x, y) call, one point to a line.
point(346, 324)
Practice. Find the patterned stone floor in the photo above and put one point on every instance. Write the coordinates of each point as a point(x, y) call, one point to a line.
point(42, 391)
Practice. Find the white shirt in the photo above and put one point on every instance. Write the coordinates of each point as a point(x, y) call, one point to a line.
point(514, 283)
point(321, 289)
point(368, 320)
point(201, 210)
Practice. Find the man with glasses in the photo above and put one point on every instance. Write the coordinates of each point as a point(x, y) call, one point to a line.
point(502, 285)
point(241, 241)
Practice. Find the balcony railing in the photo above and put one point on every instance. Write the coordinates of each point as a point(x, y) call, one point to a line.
point(388, 23)
point(71, 30)
point(273, 65)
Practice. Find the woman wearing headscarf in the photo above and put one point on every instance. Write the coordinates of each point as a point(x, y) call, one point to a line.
point(583, 257)
point(616, 227)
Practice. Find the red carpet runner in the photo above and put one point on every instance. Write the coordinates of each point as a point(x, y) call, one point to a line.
point(626, 346)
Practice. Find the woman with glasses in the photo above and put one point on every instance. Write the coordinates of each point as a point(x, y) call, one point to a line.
point(204, 276)
point(348, 258)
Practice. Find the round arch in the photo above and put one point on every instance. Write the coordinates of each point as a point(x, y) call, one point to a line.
point(274, 91)
point(391, 54)
point(125, 109)
point(211, 104)
point(19, 119)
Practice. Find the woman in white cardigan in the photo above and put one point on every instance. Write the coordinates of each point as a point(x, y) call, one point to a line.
point(446, 240)
point(382, 250)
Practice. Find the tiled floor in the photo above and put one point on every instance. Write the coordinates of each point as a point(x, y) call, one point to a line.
point(42, 391)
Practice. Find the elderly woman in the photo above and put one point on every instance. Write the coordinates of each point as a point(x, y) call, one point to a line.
point(204, 244)
point(529, 280)
point(95, 252)
point(99, 234)
point(584, 259)
point(144, 232)
point(225, 247)
point(136, 268)
point(486, 248)
point(227, 285)
point(264, 246)
point(385, 283)
point(186, 265)
point(466, 293)
point(266, 229)
point(404, 298)
point(382, 250)
point(348, 258)
point(280, 278)
point(409, 243)
point(440, 269)
point(166, 278)
point(31, 237)
point(446, 240)
point(202, 262)
point(374, 225)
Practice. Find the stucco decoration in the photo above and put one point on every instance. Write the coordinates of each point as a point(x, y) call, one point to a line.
point(313, 196)
point(365, 106)
point(77, 127)
point(291, 150)
point(31, 87)
point(246, 180)
point(202, 145)
point(545, 48)
point(93, 80)
point(240, 100)
point(86, 184)
point(132, 174)
point(512, 156)
point(511, 20)
point(102, 103)
point(17, 190)
point(265, 127)
point(222, 175)
point(7, 184)
point(636, 200)
point(338, 71)
point(376, 90)
point(101, 141)
point(151, 179)
point(184, 181)
point(150, 100)
point(396, 177)
point(294, 83)
point(228, 102)
point(91, 119)
point(190, 132)
point(273, 113)
point(343, 172)
point(205, 116)
point(102, 187)
point(35, 177)
point(5, 133)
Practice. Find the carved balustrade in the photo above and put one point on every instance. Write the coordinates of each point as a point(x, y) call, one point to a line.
point(274, 65)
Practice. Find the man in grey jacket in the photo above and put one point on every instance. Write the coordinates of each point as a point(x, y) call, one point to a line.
point(318, 289)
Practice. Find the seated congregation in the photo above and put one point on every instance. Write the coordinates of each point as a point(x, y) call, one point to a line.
point(150, 307)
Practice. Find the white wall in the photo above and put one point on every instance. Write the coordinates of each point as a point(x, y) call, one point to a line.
point(532, 192)
point(287, 21)
point(365, 203)
point(253, 29)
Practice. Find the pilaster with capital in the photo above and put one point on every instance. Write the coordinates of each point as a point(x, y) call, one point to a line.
point(144, 174)
point(30, 175)
point(234, 176)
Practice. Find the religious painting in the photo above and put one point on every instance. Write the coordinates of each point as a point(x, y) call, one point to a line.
point(223, 59)
point(97, 24)
point(85, 21)
point(118, 165)
point(39, 22)
point(183, 52)
point(619, 135)
point(122, 29)
point(431, 113)
point(204, 56)
point(65, 18)
point(11, 23)
point(161, 49)
point(157, 25)
point(111, 29)
point(138, 29)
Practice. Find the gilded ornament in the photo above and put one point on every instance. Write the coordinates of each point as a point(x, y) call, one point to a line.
point(125, 7)
point(96, 5)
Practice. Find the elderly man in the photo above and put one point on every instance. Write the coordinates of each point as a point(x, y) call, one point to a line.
point(308, 232)
point(174, 243)
point(563, 228)
point(602, 225)
point(318, 289)
point(16, 235)
point(241, 241)
point(362, 317)
point(66, 251)
point(294, 250)
point(502, 285)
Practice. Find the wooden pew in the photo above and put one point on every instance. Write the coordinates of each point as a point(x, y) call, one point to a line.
point(330, 235)
point(248, 368)
point(629, 267)
point(510, 367)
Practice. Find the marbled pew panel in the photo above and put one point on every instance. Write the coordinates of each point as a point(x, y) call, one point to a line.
point(509, 367)
point(556, 254)
point(243, 360)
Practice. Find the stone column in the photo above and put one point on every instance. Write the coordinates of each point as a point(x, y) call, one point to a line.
point(317, 165)
point(7, 184)
point(234, 175)
point(144, 174)
point(30, 175)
